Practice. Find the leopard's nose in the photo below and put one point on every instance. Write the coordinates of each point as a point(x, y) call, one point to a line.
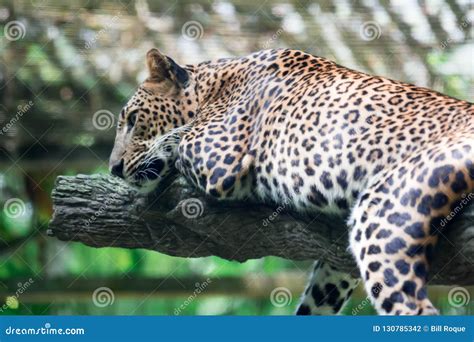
point(117, 169)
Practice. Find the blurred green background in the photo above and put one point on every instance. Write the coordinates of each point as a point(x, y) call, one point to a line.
point(63, 61)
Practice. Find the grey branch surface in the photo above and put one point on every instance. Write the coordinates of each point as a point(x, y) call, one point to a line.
point(102, 211)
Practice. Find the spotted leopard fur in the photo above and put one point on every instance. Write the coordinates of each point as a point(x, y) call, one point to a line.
point(393, 157)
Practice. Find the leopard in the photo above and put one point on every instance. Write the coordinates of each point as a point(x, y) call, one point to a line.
point(283, 125)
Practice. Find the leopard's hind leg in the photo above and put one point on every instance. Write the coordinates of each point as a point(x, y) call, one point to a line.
point(327, 292)
point(397, 220)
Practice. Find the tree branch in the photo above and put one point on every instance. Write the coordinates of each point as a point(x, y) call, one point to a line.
point(102, 211)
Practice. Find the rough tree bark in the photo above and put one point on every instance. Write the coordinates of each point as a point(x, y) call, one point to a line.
point(102, 211)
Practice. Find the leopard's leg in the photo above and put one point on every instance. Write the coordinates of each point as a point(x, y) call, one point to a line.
point(327, 291)
point(398, 219)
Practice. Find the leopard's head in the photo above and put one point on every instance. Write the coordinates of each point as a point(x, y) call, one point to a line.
point(143, 152)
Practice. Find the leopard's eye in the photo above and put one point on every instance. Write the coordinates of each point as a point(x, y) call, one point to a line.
point(132, 118)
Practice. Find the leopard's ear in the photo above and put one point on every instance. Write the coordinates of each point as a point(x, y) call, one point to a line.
point(162, 68)
point(158, 65)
